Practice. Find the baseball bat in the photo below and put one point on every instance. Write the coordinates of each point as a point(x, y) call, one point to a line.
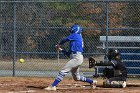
point(58, 62)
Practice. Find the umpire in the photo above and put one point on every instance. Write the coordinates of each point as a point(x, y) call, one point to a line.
point(116, 76)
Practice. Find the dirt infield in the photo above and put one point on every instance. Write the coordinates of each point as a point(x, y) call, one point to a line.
point(68, 85)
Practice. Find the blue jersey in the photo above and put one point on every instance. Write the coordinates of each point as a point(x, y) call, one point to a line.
point(75, 44)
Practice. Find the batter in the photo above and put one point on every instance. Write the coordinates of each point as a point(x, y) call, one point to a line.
point(76, 58)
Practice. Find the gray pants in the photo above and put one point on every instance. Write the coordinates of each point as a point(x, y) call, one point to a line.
point(73, 65)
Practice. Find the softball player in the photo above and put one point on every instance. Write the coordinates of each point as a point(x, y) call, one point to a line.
point(76, 58)
point(115, 77)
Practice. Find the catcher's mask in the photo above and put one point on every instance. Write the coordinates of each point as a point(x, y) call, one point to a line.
point(113, 54)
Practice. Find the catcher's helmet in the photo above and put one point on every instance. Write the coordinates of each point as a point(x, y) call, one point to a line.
point(113, 54)
point(76, 29)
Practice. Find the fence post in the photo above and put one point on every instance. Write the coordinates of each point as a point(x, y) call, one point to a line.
point(107, 29)
point(14, 38)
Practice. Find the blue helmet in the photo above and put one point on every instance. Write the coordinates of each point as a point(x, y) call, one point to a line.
point(76, 29)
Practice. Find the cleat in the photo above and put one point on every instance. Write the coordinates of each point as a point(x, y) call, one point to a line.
point(124, 84)
point(93, 85)
point(53, 88)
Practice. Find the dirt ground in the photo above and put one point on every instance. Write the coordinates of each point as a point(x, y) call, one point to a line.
point(68, 85)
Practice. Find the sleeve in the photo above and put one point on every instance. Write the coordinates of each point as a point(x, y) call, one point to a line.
point(65, 53)
point(114, 62)
point(68, 38)
point(109, 63)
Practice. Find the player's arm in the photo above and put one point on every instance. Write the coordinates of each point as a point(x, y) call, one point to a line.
point(109, 63)
point(68, 38)
point(93, 63)
point(101, 63)
point(63, 41)
point(58, 48)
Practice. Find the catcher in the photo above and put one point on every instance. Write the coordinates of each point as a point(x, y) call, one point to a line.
point(116, 76)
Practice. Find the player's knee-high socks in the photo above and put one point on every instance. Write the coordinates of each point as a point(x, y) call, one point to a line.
point(59, 78)
point(84, 79)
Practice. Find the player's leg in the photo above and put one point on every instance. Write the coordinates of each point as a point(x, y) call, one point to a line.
point(77, 77)
point(115, 82)
point(117, 79)
point(59, 77)
point(65, 70)
point(108, 72)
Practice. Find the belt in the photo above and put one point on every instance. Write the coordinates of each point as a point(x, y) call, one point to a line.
point(76, 52)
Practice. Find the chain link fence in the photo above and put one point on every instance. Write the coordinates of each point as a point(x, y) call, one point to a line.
point(31, 29)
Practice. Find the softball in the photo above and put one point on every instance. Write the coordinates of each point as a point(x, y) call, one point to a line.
point(21, 60)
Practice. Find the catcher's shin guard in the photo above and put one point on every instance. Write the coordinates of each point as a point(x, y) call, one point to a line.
point(91, 62)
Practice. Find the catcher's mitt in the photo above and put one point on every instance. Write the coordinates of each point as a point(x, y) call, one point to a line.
point(92, 62)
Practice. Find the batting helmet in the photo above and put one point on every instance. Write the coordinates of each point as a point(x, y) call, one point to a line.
point(113, 54)
point(76, 29)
